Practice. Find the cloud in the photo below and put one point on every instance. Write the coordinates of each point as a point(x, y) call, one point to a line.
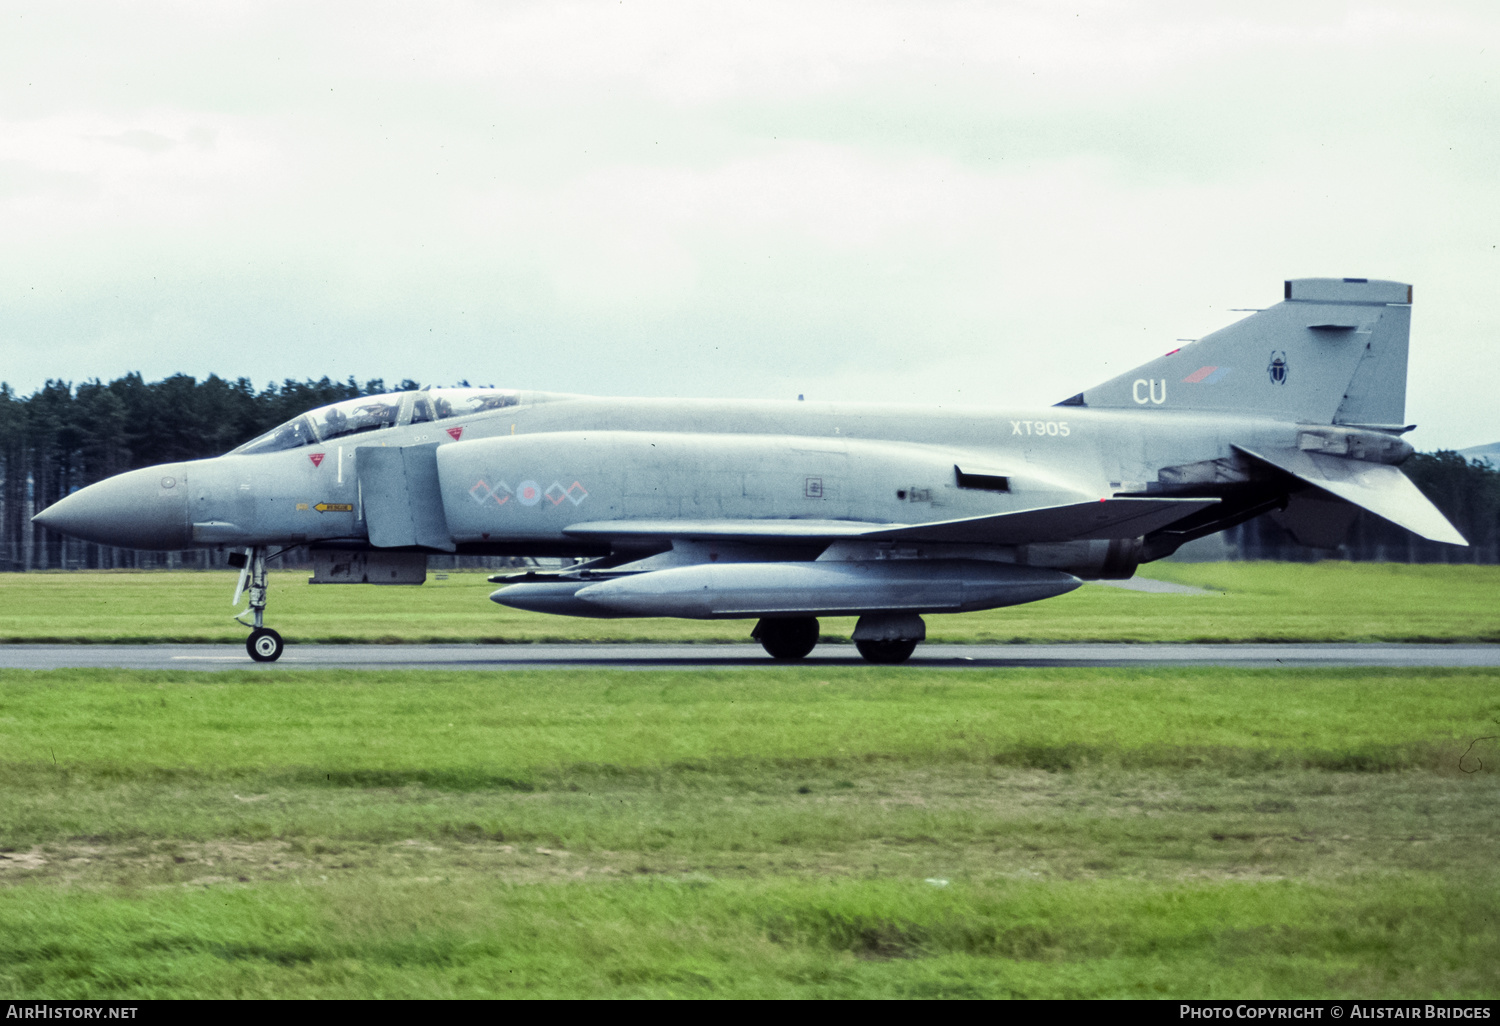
point(1006, 201)
point(93, 175)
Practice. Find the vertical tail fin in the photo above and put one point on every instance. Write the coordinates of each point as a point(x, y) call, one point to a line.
point(1333, 352)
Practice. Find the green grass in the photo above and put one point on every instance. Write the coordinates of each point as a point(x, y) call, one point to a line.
point(756, 833)
point(510, 726)
point(1327, 601)
point(709, 938)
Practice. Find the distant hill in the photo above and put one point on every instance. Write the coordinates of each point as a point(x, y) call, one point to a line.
point(1489, 452)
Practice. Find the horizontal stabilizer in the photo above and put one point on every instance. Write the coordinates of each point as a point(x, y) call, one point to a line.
point(1377, 487)
point(1102, 519)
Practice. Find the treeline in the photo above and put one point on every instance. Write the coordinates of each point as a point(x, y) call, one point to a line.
point(63, 437)
point(1467, 491)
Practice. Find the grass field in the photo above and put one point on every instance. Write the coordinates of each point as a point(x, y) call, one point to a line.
point(753, 833)
point(1327, 601)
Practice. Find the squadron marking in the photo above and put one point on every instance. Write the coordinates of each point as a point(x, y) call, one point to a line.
point(1149, 384)
point(574, 493)
point(528, 493)
point(490, 493)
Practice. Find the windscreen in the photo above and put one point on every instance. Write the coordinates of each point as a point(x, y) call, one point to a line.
point(295, 432)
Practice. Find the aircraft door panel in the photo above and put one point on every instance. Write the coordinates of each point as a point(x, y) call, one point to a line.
point(242, 500)
point(424, 497)
point(402, 501)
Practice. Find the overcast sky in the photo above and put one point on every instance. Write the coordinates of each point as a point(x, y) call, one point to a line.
point(931, 202)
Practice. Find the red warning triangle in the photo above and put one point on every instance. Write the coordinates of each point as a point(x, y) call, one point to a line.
point(316, 457)
point(457, 433)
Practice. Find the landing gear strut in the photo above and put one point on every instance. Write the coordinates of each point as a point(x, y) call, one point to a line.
point(788, 639)
point(264, 644)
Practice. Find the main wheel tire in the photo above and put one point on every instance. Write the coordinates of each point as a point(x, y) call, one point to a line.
point(788, 639)
point(264, 645)
point(886, 652)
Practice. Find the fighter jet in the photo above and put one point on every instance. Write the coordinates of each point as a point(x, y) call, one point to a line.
point(782, 512)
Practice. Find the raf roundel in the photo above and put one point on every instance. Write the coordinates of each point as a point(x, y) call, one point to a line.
point(529, 493)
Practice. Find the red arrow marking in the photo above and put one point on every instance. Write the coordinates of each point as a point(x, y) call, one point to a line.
point(316, 457)
point(457, 433)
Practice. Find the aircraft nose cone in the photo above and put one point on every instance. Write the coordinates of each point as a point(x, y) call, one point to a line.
point(140, 509)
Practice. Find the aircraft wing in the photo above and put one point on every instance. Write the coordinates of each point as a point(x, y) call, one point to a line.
point(1077, 521)
point(1101, 519)
point(1377, 487)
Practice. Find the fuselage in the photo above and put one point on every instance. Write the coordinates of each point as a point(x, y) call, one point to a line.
point(514, 478)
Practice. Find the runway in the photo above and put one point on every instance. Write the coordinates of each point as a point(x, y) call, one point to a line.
point(208, 658)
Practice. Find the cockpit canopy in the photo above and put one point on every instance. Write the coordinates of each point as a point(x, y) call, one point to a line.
point(375, 412)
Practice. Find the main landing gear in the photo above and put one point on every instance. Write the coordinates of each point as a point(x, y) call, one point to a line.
point(264, 644)
point(788, 639)
point(887, 653)
point(882, 638)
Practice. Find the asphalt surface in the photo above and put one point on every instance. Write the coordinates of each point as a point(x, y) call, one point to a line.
point(699, 657)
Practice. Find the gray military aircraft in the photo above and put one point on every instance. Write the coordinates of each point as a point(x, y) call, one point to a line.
point(786, 511)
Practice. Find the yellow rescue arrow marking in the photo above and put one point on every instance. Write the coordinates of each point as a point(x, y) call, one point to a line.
point(334, 507)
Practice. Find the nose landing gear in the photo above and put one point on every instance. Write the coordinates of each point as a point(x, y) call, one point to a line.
point(264, 644)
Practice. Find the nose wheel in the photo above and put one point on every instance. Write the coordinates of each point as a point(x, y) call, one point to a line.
point(264, 645)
